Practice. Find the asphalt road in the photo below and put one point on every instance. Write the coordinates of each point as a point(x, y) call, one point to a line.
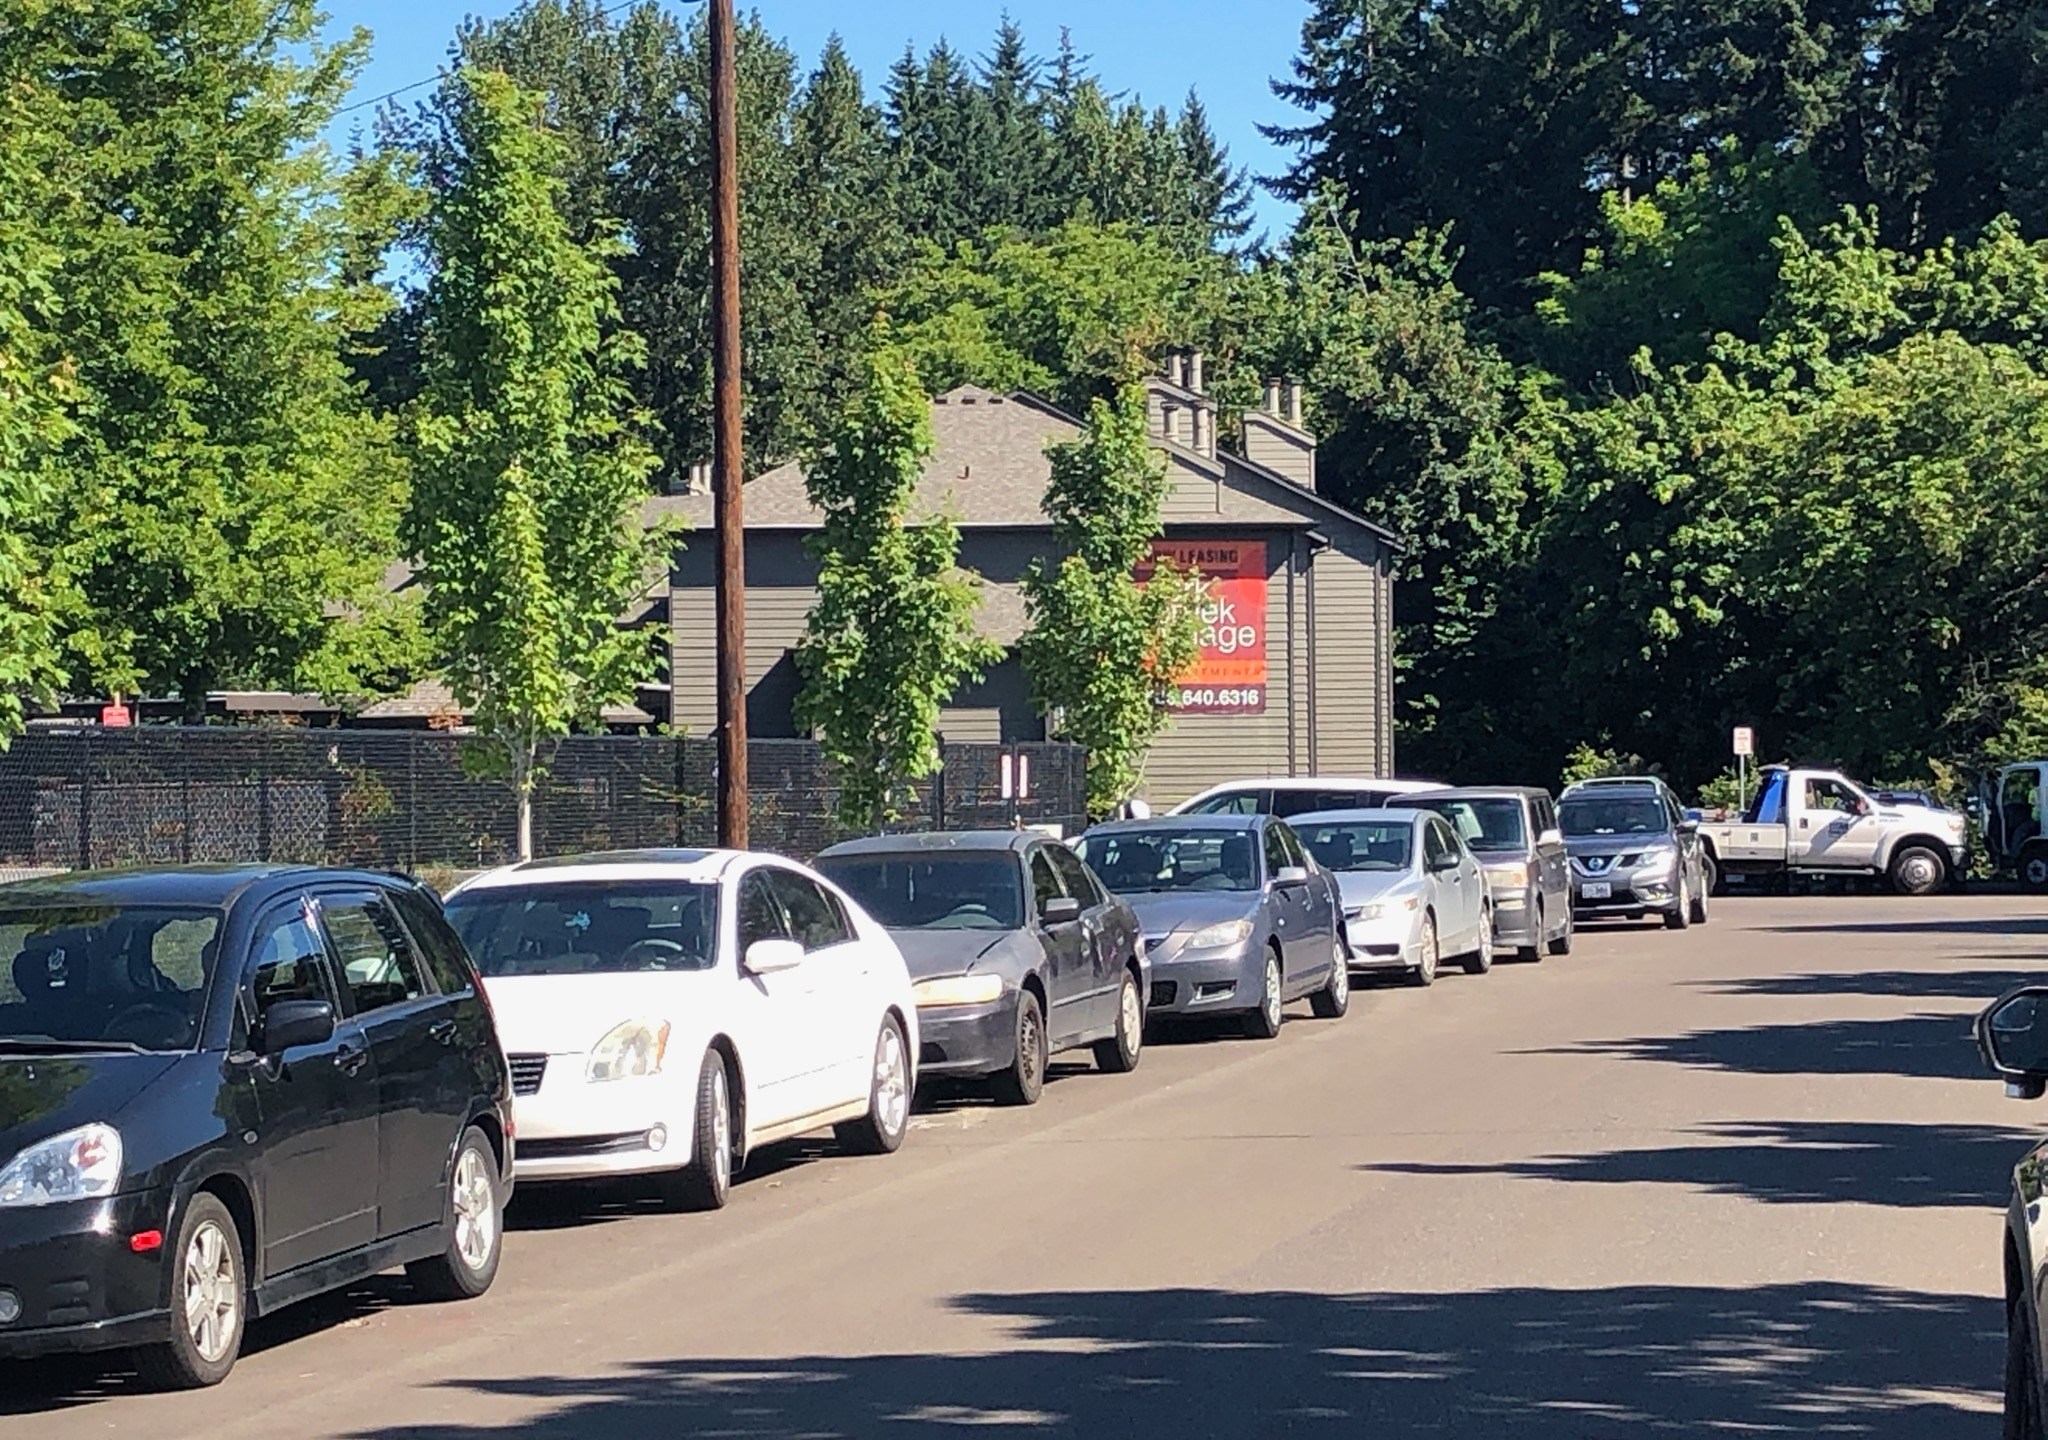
point(1745, 1179)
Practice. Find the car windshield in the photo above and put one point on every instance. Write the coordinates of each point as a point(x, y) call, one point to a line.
point(1586, 815)
point(1485, 825)
point(590, 928)
point(915, 890)
point(1132, 862)
point(1355, 845)
point(122, 977)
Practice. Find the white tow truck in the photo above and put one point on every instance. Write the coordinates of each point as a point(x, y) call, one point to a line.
point(1820, 822)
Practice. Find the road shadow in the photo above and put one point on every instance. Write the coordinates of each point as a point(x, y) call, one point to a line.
point(1984, 985)
point(2007, 925)
point(1921, 1047)
point(1538, 1364)
point(62, 1382)
point(1796, 1163)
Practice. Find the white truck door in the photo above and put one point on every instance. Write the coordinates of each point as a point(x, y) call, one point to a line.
point(1835, 826)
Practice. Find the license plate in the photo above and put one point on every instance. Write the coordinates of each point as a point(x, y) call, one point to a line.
point(1597, 890)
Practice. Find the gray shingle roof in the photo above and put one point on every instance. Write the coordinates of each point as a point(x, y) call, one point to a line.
point(989, 469)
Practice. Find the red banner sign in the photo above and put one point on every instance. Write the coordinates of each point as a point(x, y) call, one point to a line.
point(1230, 676)
point(115, 717)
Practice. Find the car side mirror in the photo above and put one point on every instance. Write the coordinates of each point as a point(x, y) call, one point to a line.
point(769, 957)
point(291, 1024)
point(1445, 862)
point(1689, 826)
point(2012, 1035)
point(1064, 910)
point(1288, 876)
point(1552, 836)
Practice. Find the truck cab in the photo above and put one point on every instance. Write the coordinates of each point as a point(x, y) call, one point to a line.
point(1820, 822)
point(2013, 807)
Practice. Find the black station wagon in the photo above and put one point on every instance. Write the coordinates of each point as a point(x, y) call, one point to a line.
point(226, 1089)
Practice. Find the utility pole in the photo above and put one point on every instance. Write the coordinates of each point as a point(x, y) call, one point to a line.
point(727, 457)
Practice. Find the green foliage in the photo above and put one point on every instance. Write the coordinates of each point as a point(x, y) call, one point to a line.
point(525, 510)
point(34, 421)
point(1586, 763)
point(892, 634)
point(1075, 314)
point(223, 488)
point(1104, 651)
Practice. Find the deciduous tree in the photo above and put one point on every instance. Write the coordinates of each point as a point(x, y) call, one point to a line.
point(525, 516)
point(892, 635)
point(1103, 650)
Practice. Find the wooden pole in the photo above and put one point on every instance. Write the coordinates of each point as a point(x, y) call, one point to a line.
point(728, 461)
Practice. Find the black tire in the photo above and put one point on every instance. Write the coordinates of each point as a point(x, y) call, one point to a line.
point(1917, 870)
point(1562, 945)
point(206, 1258)
point(1024, 1081)
point(1330, 1002)
point(476, 1226)
point(706, 1182)
point(1716, 884)
point(1698, 914)
point(1424, 975)
point(1530, 954)
point(2032, 867)
point(1264, 1022)
point(881, 1130)
point(1120, 1053)
point(2023, 1419)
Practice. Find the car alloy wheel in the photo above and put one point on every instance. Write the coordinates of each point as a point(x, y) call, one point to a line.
point(1425, 973)
point(1024, 1081)
point(721, 1130)
point(1917, 872)
point(476, 1211)
point(1264, 1022)
point(1119, 1053)
point(1330, 1002)
point(2034, 872)
point(210, 1293)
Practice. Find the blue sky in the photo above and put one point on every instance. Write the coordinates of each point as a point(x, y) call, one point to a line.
point(1226, 50)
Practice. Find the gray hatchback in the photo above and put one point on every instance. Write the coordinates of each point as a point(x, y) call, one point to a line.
point(1016, 951)
point(1512, 831)
point(1238, 920)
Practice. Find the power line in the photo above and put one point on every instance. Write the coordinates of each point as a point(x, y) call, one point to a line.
point(436, 79)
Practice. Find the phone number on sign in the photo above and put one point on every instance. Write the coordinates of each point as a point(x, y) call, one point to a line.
point(1221, 698)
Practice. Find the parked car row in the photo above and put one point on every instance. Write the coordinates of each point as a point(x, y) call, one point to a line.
point(223, 1090)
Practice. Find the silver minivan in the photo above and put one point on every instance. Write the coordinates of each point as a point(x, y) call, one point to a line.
point(1512, 831)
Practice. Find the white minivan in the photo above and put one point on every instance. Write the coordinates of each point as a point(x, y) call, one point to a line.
point(1299, 795)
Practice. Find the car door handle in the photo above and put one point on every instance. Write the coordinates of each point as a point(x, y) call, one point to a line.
point(444, 1031)
point(350, 1059)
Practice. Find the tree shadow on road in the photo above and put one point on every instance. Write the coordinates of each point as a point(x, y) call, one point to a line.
point(1985, 985)
point(1539, 1364)
point(1923, 1047)
point(1957, 925)
point(1796, 1162)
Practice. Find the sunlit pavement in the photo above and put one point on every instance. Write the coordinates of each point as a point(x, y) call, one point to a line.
point(1743, 1179)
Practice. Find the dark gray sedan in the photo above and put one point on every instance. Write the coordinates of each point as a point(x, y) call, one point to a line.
point(1238, 920)
point(1017, 951)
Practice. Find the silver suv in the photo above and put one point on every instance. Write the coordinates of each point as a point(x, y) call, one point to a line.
point(1633, 852)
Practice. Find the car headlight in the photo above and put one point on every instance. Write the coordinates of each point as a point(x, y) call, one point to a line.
point(1509, 877)
point(629, 1051)
point(1657, 862)
point(81, 1164)
point(1380, 909)
point(1229, 932)
point(957, 990)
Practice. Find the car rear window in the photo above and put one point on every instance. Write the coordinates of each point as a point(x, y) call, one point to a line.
point(912, 890)
point(588, 928)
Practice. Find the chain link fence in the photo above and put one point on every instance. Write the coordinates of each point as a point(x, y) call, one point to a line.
point(91, 798)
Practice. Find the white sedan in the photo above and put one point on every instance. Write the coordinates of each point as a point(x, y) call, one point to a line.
point(665, 1012)
point(1412, 892)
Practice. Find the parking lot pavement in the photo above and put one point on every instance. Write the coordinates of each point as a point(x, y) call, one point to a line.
point(1745, 1177)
